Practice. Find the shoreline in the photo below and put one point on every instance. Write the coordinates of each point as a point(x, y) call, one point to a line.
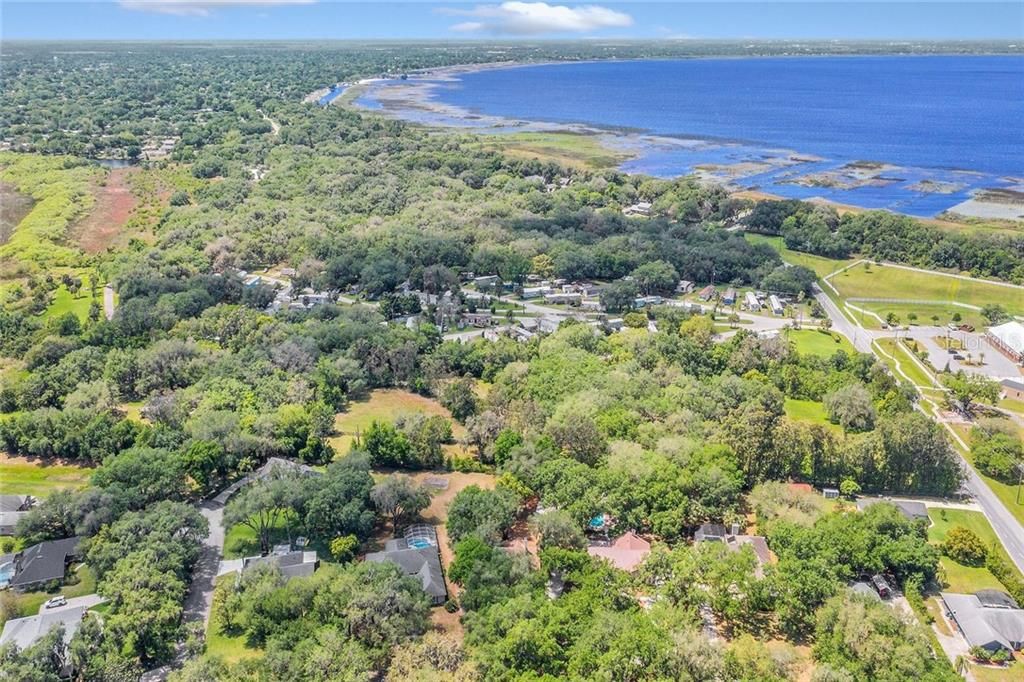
point(735, 164)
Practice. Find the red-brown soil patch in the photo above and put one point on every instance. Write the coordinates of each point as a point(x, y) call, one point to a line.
point(114, 205)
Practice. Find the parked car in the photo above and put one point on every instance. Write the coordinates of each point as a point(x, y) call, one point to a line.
point(881, 586)
point(59, 600)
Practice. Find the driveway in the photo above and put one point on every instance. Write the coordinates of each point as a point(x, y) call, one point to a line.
point(88, 601)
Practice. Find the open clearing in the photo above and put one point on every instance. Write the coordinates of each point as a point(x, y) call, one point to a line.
point(230, 649)
point(20, 476)
point(114, 205)
point(386, 405)
point(817, 342)
point(809, 411)
point(66, 302)
point(13, 207)
point(924, 312)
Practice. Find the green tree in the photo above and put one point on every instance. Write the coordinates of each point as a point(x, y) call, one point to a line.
point(963, 546)
point(400, 499)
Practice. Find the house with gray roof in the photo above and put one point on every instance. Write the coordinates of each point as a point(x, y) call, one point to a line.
point(43, 563)
point(987, 620)
point(913, 511)
point(416, 553)
point(292, 564)
point(24, 632)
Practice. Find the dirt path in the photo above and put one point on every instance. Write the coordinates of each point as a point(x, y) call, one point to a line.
point(275, 127)
point(114, 205)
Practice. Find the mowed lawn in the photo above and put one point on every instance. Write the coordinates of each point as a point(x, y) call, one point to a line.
point(960, 578)
point(385, 405)
point(228, 648)
point(817, 342)
point(924, 313)
point(19, 476)
point(882, 281)
point(66, 302)
point(809, 411)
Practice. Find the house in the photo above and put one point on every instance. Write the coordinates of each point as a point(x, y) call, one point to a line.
point(292, 564)
point(520, 334)
point(626, 553)
point(24, 632)
point(707, 293)
point(750, 300)
point(562, 298)
point(549, 324)
point(592, 304)
point(1008, 339)
point(913, 511)
point(735, 541)
point(644, 301)
point(640, 208)
point(534, 292)
point(988, 619)
point(416, 553)
point(43, 563)
point(12, 508)
point(486, 281)
point(776, 305)
point(478, 319)
point(685, 286)
point(729, 297)
point(1014, 390)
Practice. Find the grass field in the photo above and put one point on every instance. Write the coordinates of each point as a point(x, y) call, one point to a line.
point(923, 311)
point(881, 281)
point(959, 578)
point(229, 649)
point(21, 477)
point(816, 342)
point(385, 405)
point(567, 149)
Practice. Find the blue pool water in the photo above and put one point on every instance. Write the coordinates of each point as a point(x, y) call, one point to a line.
point(953, 120)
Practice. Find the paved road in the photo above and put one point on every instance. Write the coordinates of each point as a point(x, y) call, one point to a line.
point(860, 338)
point(1006, 526)
point(199, 601)
point(108, 301)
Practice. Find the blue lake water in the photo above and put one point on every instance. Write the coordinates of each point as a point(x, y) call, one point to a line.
point(942, 125)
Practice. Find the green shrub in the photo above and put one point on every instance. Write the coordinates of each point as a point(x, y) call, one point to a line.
point(963, 546)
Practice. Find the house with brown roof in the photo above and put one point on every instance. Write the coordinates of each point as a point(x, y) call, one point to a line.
point(626, 553)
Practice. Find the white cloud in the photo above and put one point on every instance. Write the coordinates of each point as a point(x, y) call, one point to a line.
point(200, 8)
point(535, 18)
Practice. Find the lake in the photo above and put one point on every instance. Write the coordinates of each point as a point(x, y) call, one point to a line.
point(914, 134)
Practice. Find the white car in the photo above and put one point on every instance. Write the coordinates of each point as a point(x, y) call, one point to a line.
point(55, 602)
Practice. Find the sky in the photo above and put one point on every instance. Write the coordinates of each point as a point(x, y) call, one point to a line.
point(523, 20)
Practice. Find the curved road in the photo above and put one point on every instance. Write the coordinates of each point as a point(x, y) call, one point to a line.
point(1005, 524)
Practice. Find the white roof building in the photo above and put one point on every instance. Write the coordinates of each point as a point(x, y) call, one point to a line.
point(1009, 338)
